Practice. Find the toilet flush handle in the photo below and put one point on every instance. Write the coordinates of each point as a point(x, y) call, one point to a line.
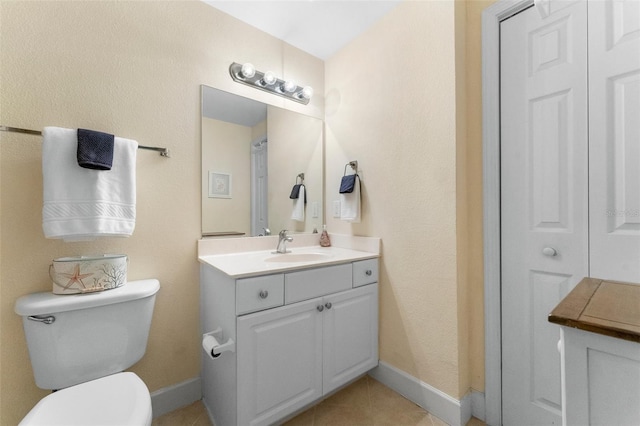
point(49, 319)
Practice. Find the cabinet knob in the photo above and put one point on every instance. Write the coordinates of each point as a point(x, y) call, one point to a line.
point(549, 251)
point(327, 305)
point(264, 294)
point(368, 272)
point(320, 308)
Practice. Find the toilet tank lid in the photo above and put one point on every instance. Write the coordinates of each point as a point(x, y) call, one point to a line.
point(49, 303)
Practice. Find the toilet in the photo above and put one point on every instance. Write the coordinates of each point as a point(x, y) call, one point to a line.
point(80, 345)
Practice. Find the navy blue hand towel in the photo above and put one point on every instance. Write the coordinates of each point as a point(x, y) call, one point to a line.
point(295, 192)
point(95, 150)
point(348, 183)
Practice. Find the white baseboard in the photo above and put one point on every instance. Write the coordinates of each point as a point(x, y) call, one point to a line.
point(176, 396)
point(477, 405)
point(436, 402)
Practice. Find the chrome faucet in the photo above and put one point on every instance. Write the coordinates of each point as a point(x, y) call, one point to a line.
point(266, 232)
point(283, 238)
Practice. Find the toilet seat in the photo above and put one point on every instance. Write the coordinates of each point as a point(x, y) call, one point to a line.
point(116, 400)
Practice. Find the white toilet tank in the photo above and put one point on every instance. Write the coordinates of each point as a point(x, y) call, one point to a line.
point(92, 335)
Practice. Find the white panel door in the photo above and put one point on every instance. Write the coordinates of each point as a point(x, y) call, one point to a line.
point(279, 362)
point(544, 199)
point(259, 181)
point(350, 335)
point(614, 139)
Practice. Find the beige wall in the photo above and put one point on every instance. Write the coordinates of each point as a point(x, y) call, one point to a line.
point(133, 69)
point(404, 100)
point(391, 105)
point(462, 207)
point(226, 148)
point(259, 130)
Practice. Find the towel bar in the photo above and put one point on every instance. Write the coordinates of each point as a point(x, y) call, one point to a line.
point(164, 152)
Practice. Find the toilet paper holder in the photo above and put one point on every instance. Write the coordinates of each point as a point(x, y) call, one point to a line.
point(213, 347)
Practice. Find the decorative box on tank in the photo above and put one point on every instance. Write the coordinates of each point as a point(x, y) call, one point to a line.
point(87, 274)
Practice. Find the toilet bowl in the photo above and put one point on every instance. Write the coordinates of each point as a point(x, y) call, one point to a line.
point(119, 399)
point(81, 344)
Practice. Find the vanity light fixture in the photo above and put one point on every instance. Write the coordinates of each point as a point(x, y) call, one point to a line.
point(247, 74)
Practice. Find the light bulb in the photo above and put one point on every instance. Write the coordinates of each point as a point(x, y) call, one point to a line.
point(307, 92)
point(289, 86)
point(268, 79)
point(248, 70)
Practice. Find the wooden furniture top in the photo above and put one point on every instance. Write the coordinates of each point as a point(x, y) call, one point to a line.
point(605, 307)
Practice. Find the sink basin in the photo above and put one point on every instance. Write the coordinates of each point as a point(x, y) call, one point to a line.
point(297, 257)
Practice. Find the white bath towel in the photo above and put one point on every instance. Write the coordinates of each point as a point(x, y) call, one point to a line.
point(82, 204)
point(350, 204)
point(298, 206)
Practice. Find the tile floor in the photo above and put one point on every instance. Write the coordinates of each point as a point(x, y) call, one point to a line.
point(365, 402)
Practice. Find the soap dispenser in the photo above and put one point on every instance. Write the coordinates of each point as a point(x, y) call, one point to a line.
point(325, 241)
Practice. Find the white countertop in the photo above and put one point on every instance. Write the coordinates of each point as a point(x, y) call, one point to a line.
point(239, 265)
point(259, 262)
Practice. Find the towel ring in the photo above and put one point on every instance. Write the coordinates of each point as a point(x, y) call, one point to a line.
point(354, 166)
point(301, 177)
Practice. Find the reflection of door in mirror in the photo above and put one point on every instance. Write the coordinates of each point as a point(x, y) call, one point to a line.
point(259, 208)
point(259, 150)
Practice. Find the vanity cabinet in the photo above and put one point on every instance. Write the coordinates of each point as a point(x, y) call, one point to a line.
point(299, 335)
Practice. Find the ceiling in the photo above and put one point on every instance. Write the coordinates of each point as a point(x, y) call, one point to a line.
point(318, 27)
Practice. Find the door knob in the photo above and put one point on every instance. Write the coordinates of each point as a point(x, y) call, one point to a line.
point(320, 308)
point(327, 305)
point(549, 251)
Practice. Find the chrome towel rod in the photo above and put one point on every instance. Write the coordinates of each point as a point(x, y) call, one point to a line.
point(163, 151)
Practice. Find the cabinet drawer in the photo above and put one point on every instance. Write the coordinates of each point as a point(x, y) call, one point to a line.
point(258, 293)
point(312, 283)
point(365, 272)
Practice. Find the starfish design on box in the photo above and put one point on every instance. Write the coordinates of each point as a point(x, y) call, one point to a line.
point(76, 277)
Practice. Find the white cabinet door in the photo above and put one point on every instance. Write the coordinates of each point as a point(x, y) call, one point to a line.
point(544, 199)
point(614, 139)
point(279, 362)
point(350, 321)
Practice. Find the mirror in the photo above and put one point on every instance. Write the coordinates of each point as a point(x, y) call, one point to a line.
point(252, 156)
